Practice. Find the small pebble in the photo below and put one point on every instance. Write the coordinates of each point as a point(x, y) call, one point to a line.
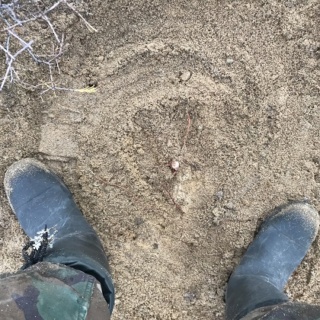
point(229, 61)
point(185, 76)
point(215, 212)
point(190, 296)
point(138, 221)
point(175, 165)
point(219, 195)
point(230, 206)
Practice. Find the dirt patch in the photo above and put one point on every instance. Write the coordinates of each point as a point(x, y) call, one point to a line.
point(230, 90)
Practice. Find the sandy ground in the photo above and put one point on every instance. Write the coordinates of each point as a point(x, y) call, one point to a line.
point(229, 89)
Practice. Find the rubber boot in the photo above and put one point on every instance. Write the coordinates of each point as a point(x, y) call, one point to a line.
point(276, 251)
point(40, 199)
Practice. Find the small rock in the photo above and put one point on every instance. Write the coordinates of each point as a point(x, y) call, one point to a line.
point(175, 165)
point(229, 60)
point(230, 206)
point(117, 302)
point(216, 221)
point(138, 221)
point(185, 76)
point(156, 46)
point(219, 195)
point(227, 255)
point(215, 212)
point(190, 296)
point(175, 316)
point(140, 151)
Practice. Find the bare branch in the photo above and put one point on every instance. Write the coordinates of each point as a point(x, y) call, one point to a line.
point(51, 27)
point(88, 25)
point(17, 16)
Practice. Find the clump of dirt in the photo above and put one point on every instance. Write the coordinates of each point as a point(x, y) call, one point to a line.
point(229, 90)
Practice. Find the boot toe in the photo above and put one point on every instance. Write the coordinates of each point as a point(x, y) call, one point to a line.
point(26, 180)
point(39, 198)
point(298, 221)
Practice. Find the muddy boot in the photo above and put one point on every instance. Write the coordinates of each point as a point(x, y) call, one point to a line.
point(277, 250)
point(41, 200)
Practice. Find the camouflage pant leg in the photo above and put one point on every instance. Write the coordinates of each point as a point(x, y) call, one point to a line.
point(286, 311)
point(49, 291)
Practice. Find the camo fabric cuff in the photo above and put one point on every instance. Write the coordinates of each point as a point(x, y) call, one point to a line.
point(51, 291)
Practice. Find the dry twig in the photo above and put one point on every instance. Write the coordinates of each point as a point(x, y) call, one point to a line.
point(178, 207)
point(187, 131)
point(16, 17)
